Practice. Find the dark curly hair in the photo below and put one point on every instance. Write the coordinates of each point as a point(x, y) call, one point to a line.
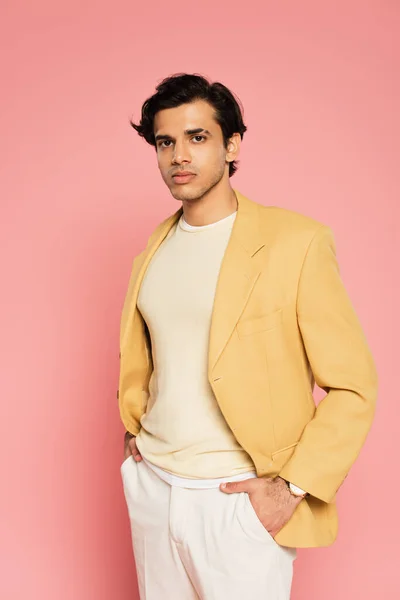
point(183, 88)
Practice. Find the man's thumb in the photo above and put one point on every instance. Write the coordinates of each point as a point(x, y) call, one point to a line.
point(234, 487)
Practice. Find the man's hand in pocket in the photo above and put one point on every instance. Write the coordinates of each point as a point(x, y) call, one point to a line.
point(131, 448)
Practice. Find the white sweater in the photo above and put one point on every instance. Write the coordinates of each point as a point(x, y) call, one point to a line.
point(183, 430)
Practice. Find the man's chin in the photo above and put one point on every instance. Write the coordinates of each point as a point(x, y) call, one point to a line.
point(180, 192)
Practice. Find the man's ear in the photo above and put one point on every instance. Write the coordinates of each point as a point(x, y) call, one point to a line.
point(233, 147)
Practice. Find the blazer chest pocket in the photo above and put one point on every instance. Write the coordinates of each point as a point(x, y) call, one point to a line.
point(257, 324)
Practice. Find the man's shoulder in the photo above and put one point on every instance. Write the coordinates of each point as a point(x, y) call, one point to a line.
point(156, 231)
point(288, 227)
point(284, 219)
point(167, 221)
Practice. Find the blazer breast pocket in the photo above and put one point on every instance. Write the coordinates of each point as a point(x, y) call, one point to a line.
point(254, 325)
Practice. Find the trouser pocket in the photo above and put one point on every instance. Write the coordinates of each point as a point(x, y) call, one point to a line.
point(254, 529)
point(253, 525)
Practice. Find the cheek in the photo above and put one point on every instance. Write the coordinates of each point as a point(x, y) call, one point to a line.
point(162, 163)
point(209, 158)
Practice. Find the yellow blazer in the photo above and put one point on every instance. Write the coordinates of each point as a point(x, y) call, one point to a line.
point(282, 320)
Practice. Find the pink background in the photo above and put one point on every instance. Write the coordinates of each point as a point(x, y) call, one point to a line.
point(80, 195)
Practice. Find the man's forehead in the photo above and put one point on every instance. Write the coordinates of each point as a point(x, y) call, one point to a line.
point(197, 115)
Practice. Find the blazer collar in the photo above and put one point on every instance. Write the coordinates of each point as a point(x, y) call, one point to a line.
point(245, 231)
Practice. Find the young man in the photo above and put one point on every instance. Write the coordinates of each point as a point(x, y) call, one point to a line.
point(233, 311)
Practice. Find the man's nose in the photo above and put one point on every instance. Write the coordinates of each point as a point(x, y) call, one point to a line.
point(181, 153)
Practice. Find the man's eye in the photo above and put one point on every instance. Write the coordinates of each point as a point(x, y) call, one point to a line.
point(198, 138)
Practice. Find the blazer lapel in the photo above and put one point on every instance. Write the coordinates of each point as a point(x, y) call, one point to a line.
point(240, 269)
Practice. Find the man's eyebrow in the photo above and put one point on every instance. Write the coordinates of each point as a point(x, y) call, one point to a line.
point(186, 132)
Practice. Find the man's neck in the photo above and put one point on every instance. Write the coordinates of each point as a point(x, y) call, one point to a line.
point(207, 210)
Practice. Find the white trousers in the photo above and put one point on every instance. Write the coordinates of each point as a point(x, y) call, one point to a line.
point(192, 544)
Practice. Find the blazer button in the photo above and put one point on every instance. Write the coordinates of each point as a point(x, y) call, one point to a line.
point(119, 355)
point(117, 394)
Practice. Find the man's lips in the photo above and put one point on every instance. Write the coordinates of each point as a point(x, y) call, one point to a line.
point(183, 177)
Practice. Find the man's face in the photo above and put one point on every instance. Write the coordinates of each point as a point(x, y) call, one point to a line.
point(188, 138)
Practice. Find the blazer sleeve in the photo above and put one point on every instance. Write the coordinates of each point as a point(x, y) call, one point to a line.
point(342, 365)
